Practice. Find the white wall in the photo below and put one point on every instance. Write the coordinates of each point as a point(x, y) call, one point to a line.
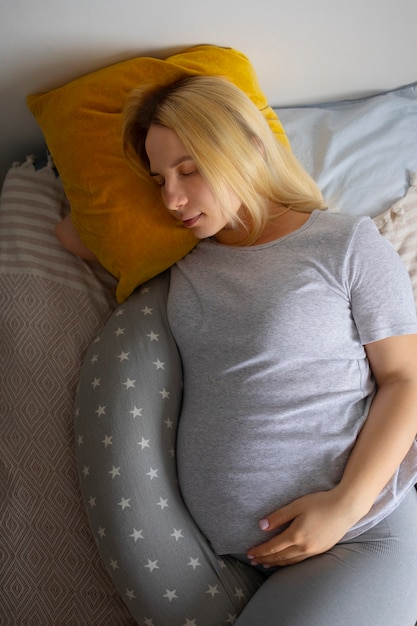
point(302, 50)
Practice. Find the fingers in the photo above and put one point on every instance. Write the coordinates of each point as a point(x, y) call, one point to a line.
point(280, 518)
point(304, 528)
point(283, 549)
point(286, 547)
point(279, 543)
point(280, 560)
point(275, 551)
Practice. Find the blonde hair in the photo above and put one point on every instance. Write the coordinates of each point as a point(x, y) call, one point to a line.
point(230, 142)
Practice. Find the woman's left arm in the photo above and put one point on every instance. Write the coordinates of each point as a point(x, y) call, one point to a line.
point(316, 522)
point(391, 425)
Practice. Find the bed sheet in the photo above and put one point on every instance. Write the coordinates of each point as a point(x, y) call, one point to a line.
point(51, 305)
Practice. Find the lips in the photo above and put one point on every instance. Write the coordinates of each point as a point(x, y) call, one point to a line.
point(190, 222)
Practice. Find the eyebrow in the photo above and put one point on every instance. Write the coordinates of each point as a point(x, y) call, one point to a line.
point(181, 159)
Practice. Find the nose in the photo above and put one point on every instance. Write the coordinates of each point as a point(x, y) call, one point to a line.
point(173, 195)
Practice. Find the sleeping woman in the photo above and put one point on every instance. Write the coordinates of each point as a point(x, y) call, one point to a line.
point(297, 331)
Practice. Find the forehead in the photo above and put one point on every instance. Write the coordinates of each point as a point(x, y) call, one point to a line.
point(163, 147)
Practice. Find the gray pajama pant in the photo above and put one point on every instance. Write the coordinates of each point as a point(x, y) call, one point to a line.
point(126, 411)
point(367, 581)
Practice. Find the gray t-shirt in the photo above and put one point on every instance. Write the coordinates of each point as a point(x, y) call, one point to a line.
point(276, 380)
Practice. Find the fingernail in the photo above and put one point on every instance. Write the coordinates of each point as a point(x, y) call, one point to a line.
point(263, 524)
point(250, 556)
point(266, 566)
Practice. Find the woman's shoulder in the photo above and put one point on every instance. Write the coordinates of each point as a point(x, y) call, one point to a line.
point(344, 225)
point(346, 220)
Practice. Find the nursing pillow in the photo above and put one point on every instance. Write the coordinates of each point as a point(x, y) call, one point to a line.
point(127, 407)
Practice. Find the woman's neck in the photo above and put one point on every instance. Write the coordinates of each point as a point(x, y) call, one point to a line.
point(283, 221)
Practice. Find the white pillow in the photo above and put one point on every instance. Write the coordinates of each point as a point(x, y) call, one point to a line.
point(399, 225)
point(361, 152)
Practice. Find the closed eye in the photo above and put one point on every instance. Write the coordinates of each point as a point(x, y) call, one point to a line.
point(188, 173)
point(160, 181)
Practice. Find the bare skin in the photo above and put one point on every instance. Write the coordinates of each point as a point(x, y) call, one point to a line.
point(69, 238)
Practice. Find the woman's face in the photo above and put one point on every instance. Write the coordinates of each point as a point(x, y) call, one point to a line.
point(185, 193)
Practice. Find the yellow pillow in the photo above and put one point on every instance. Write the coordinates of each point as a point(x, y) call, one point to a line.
point(118, 216)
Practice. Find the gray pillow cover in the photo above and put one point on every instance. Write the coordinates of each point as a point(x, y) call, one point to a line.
point(126, 415)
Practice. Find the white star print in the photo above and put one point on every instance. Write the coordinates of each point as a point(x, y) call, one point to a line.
point(163, 503)
point(125, 503)
point(94, 359)
point(107, 441)
point(98, 380)
point(239, 593)
point(151, 565)
point(115, 471)
point(194, 562)
point(129, 383)
point(144, 443)
point(120, 312)
point(137, 534)
point(130, 594)
point(145, 289)
point(101, 410)
point(170, 594)
point(212, 590)
point(177, 534)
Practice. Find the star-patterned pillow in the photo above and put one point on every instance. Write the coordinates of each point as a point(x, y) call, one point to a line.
point(126, 415)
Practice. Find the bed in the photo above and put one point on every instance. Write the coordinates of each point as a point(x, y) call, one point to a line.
point(57, 565)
